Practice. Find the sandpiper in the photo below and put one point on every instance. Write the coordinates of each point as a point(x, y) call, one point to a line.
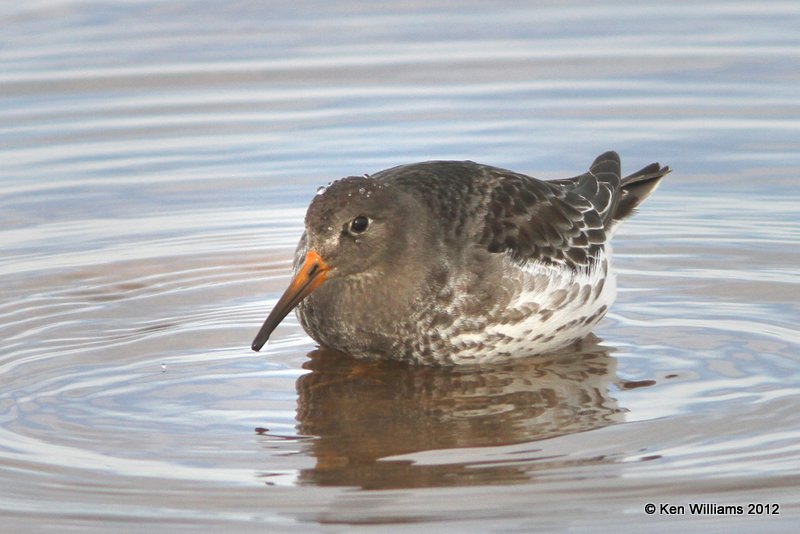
point(453, 262)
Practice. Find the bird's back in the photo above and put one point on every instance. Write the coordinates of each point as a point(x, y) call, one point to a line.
point(560, 222)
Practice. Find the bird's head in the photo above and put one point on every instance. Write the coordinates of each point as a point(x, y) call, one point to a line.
point(357, 228)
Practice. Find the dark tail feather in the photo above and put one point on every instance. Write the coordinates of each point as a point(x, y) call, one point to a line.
point(636, 188)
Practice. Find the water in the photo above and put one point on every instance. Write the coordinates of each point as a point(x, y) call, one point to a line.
point(156, 163)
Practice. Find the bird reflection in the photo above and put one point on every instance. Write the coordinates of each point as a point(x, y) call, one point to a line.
point(362, 412)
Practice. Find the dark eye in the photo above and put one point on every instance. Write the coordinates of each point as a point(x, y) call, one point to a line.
point(359, 225)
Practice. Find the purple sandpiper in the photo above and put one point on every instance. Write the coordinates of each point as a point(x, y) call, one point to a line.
point(453, 262)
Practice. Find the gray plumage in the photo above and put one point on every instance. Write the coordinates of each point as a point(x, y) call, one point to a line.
point(461, 262)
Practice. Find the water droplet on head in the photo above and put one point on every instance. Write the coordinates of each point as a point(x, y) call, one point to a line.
point(361, 190)
point(330, 228)
point(321, 189)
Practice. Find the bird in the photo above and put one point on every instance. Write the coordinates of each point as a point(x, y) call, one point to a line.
point(456, 263)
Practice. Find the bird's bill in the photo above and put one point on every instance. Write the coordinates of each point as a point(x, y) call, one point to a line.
point(310, 276)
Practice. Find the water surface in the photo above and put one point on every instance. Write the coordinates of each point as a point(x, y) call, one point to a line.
point(157, 160)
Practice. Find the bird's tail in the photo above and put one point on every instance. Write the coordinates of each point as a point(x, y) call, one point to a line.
point(613, 198)
point(636, 188)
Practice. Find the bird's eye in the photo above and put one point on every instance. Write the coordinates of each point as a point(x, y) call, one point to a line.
point(359, 225)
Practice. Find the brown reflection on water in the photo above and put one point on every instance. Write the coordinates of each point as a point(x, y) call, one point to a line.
point(363, 412)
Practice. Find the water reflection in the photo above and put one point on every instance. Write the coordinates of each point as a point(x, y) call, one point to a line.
point(361, 413)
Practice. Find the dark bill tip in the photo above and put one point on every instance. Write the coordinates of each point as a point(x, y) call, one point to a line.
point(310, 276)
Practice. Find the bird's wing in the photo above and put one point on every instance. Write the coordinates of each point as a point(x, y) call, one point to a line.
point(558, 223)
